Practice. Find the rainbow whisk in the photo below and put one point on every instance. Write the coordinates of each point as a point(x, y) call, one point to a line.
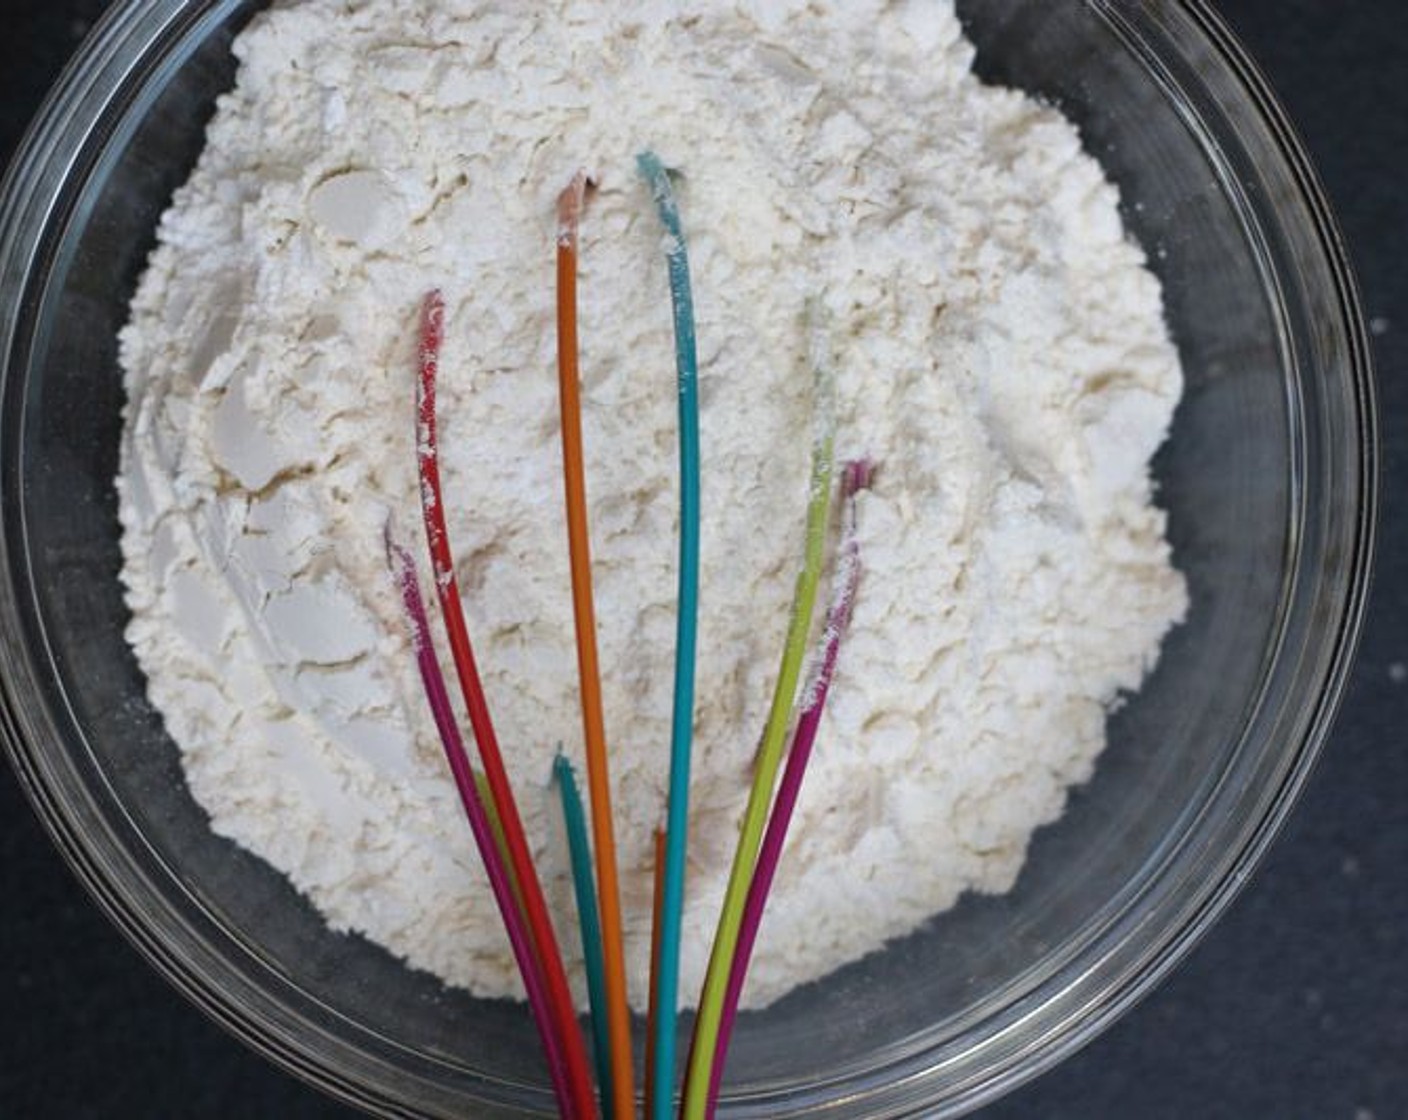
point(605, 1085)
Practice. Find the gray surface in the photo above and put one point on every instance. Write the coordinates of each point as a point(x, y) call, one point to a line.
point(1295, 1006)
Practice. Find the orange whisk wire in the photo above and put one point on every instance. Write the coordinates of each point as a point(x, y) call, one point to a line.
point(569, 208)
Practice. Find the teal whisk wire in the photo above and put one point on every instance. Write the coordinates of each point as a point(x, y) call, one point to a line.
point(671, 916)
point(589, 920)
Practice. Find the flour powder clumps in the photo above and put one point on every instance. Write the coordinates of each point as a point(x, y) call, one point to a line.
point(999, 348)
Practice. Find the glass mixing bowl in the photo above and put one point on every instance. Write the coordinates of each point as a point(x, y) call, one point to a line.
point(1269, 480)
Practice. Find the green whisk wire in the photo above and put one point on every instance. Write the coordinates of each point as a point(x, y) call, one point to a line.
point(711, 1002)
point(589, 920)
point(670, 918)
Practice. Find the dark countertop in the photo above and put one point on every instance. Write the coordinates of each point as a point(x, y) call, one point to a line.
point(1296, 1004)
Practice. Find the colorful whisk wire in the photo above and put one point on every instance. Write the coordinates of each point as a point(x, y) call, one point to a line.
point(621, 1093)
point(539, 924)
point(856, 477)
point(583, 889)
point(769, 758)
point(404, 571)
point(652, 1014)
point(669, 917)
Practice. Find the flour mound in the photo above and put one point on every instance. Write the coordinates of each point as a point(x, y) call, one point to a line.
point(999, 349)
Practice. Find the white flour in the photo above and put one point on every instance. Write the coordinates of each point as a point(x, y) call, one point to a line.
point(1000, 351)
